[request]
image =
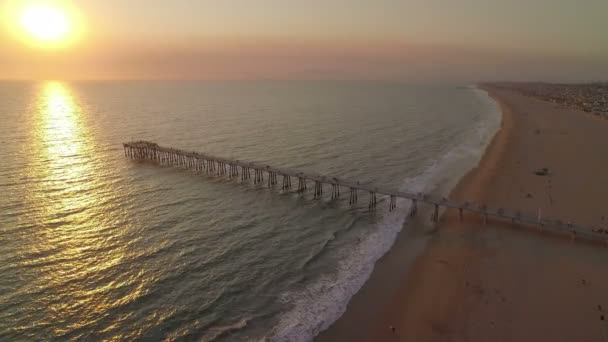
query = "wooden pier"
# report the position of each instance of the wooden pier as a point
(200, 162)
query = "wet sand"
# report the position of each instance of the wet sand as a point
(500, 282)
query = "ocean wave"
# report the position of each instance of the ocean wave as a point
(317, 306)
(217, 332)
(320, 251)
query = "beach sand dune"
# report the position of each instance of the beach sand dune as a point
(500, 282)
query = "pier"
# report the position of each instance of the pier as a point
(268, 175)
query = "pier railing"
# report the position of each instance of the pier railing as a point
(247, 170)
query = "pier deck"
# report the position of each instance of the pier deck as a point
(145, 150)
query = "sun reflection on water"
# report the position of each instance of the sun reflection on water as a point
(78, 230)
(61, 117)
(63, 145)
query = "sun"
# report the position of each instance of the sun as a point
(46, 23)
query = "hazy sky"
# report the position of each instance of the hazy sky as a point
(415, 40)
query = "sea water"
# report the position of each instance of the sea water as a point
(96, 246)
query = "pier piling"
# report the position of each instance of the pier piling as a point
(200, 162)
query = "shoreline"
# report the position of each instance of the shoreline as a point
(480, 175)
(480, 282)
(472, 186)
(476, 282)
(374, 297)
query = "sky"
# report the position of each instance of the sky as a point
(407, 40)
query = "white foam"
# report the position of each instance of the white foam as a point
(322, 303)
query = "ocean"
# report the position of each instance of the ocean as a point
(96, 246)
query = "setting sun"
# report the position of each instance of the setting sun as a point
(46, 23)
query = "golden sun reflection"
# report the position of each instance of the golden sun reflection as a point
(60, 165)
(61, 118)
(64, 144)
(74, 208)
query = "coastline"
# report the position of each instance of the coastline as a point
(496, 282)
(370, 310)
(492, 282)
(430, 308)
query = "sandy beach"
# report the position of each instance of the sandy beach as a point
(499, 282)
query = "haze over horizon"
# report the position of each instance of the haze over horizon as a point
(416, 40)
